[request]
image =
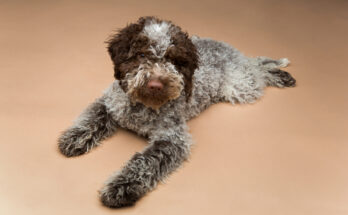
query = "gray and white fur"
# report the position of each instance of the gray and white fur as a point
(223, 74)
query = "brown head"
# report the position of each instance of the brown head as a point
(154, 61)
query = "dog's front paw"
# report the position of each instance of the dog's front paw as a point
(74, 142)
(119, 193)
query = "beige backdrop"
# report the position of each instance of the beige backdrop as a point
(284, 155)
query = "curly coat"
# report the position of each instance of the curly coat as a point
(195, 72)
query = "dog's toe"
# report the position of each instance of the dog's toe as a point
(69, 150)
(72, 143)
(282, 79)
(117, 196)
(287, 79)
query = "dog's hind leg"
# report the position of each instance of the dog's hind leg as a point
(271, 63)
(280, 78)
(241, 83)
(274, 76)
(245, 78)
(92, 126)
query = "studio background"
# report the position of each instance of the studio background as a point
(285, 154)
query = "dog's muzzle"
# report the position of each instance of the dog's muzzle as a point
(155, 84)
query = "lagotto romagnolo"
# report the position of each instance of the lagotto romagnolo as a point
(163, 79)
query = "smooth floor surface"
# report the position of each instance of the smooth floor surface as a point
(286, 154)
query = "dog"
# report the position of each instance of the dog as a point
(163, 78)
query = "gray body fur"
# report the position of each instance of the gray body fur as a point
(224, 75)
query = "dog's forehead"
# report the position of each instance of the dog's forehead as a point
(159, 34)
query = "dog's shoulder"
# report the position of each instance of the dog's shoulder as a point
(116, 100)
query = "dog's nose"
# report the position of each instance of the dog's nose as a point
(155, 85)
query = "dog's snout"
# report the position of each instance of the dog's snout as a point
(155, 85)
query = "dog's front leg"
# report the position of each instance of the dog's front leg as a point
(92, 126)
(168, 149)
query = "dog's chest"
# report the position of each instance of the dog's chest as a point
(133, 117)
(138, 119)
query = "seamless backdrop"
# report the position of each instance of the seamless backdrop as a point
(286, 154)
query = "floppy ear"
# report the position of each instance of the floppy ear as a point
(120, 43)
(187, 59)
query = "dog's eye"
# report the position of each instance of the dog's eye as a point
(181, 62)
(142, 55)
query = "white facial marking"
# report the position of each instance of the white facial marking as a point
(160, 34)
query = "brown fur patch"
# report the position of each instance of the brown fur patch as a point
(184, 56)
(129, 51)
(120, 44)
